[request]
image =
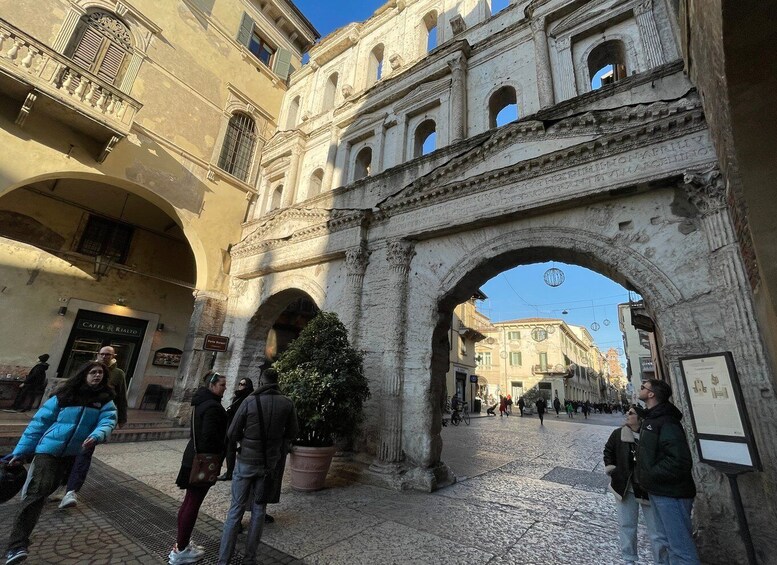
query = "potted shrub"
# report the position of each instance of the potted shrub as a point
(324, 376)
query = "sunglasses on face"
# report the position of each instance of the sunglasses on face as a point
(643, 387)
(241, 384)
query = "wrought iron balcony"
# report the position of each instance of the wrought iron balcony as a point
(46, 81)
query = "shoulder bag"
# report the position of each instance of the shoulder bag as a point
(264, 494)
(205, 466)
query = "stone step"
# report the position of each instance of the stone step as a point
(9, 437)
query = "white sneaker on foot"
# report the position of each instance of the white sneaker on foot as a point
(70, 499)
(191, 554)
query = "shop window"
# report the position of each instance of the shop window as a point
(502, 107)
(106, 238)
(101, 44)
(425, 139)
(238, 149)
(607, 63)
(363, 164)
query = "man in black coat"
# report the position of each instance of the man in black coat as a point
(33, 385)
(663, 469)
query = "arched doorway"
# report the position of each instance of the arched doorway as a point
(91, 263)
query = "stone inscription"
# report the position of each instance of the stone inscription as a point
(633, 166)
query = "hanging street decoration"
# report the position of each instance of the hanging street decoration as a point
(554, 277)
(539, 334)
(595, 326)
(550, 329)
(565, 312)
(606, 322)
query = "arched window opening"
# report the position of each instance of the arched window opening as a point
(363, 164)
(293, 113)
(330, 92)
(375, 68)
(425, 138)
(238, 149)
(498, 5)
(502, 107)
(607, 64)
(430, 24)
(277, 196)
(101, 44)
(314, 186)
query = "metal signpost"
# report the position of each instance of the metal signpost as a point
(216, 344)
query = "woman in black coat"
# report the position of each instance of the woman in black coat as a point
(244, 387)
(620, 455)
(209, 426)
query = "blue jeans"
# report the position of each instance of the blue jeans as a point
(628, 515)
(247, 480)
(672, 518)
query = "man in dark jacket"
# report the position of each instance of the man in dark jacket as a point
(255, 459)
(664, 470)
(33, 385)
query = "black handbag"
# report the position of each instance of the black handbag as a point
(264, 494)
(205, 466)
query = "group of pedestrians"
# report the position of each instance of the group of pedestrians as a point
(649, 464)
(253, 434)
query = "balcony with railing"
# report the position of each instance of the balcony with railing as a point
(46, 81)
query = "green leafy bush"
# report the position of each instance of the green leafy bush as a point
(324, 376)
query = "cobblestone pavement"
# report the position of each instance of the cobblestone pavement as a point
(525, 494)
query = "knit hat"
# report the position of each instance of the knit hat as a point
(43, 358)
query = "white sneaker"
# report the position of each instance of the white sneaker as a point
(70, 499)
(191, 554)
(58, 494)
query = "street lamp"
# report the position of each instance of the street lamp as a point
(102, 264)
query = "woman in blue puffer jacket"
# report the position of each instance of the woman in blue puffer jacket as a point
(80, 415)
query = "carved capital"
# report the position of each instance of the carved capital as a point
(643, 6)
(458, 65)
(706, 189)
(537, 25)
(399, 253)
(356, 260)
(564, 42)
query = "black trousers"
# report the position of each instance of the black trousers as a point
(47, 472)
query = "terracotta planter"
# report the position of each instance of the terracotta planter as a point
(309, 466)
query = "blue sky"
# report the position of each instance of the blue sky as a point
(520, 292)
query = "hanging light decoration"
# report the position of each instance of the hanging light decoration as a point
(539, 334)
(606, 322)
(550, 329)
(565, 311)
(595, 326)
(554, 277)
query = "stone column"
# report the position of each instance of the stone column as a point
(379, 149)
(356, 260)
(210, 309)
(648, 32)
(567, 86)
(331, 157)
(542, 60)
(399, 254)
(458, 122)
(290, 183)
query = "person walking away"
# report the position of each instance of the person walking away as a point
(556, 405)
(209, 426)
(620, 453)
(541, 405)
(586, 408)
(33, 385)
(117, 380)
(664, 470)
(80, 415)
(509, 405)
(244, 387)
(521, 404)
(570, 409)
(264, 422)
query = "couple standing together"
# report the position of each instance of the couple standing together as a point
(649, 464)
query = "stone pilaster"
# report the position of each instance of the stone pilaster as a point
(566, 69)
(542, 60)
(458, 120)
(210, 309)
(399, 254)
(69, 24)
(356, 261)
(648, 32)
(331, 157)
(290, 183)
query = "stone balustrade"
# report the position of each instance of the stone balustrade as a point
(56, 76)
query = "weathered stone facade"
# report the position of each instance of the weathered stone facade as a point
(621, 180)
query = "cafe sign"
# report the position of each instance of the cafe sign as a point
(109, 328)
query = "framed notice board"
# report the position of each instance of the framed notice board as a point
(723, 434)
